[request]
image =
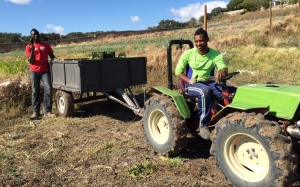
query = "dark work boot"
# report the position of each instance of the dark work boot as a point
(204, 132)
(35, 116)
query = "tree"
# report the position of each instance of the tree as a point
(49, 36)
(167, 24)
(150, 28)
(193, 21)
(265, 4)
(254, 5)
(217, 11)
(250, 6)
(201, 19)
(291, 2)
(26, 38)
(74, 35)
(10, 37)
(234, 5)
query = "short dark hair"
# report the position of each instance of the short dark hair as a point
(201, 31)
(34, 31)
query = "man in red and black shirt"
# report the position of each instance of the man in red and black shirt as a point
(37, 53)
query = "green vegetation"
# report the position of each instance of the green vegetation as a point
(142, 169)
(17, 66)
(148, 167)
(171, 162)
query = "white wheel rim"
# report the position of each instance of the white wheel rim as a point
(246, 157)
(158, 126)
(61, 104)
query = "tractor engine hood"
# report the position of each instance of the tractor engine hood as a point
(282, 100)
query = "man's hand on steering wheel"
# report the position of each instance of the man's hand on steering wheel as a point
(221, 75)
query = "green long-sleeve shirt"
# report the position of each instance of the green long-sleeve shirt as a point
(201, 65)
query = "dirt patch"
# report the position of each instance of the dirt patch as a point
(97, 147)
(102, 145)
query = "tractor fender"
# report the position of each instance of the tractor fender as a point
(240, 107)
(178, 99)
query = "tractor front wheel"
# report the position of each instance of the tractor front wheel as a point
(164, 127)
(252, 151)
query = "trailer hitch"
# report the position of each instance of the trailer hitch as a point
(130, 103)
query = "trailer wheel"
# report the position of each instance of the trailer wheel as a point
(64, 103)
(252, 151)
(164, 127)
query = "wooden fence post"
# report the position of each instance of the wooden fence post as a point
(270, 16)
(205, 18)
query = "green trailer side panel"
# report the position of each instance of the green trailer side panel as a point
(283, 100)
(178, 99)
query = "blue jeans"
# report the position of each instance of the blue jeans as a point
(45, 78)
(203, 91)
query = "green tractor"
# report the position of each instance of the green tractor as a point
(255, 135)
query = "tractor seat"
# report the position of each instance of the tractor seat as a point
(182, 86)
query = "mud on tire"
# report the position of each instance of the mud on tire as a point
(252, 151)
(164, 127)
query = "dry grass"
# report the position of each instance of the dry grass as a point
(15, 95)
(103, 142)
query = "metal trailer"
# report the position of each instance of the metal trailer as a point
(109, 76)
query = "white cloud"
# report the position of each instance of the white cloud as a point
(196, 10)
(57, 29)
(135, 19)
(19, 1)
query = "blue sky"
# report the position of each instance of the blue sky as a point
(65, 16)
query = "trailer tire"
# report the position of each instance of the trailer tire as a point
(252, 151)
(64, 103)
(164, 127)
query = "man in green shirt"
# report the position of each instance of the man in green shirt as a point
(196, 65)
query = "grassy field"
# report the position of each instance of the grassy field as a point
(103, 143)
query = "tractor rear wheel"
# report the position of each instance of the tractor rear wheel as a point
(252, 151)
(64, 103)
(164, 127)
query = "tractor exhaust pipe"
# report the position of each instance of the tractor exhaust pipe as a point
(294, 131)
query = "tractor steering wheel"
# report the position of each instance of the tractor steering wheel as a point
(229, 76)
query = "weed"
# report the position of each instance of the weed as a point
(102, 153)
(13, 136)
(13, 172)
(171, 162)
(3, 155)
(142, 169)
(16, 94)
